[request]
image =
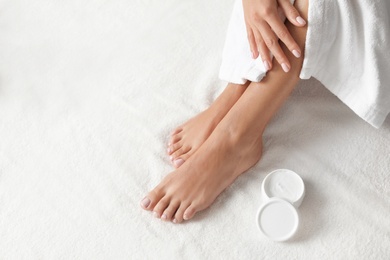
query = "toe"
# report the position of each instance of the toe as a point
(151, 199)
(186, 155)
(177, 131)
(160, 207)
(189, 213)
(145, 202)
(174, 139)
(179, 152)
(178, 162)
(174, 147)
(179, 213)
(170, 211)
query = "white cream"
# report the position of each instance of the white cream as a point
(284, 184)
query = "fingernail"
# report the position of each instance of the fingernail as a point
(300, 20)
(178, 162)
(285, 67)
(296, 53)
(164, 217)
(266, 65)
(145, 202)
(156, 215)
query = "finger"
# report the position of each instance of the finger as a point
(252, 42)
(265, 55)
(284, 35)
(291, 13)
(273, 45)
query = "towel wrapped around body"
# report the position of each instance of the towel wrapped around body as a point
(347, 49)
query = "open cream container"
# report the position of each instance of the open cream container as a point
(282, 192)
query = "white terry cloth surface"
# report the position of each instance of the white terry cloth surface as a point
(89, 92)
(346, 49)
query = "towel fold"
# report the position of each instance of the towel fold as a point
(346, 49)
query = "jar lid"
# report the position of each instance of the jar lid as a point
(278, 219)
(285, 184)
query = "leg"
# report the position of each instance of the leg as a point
(187, 138)
(232, 148)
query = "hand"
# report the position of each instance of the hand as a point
(265, 27)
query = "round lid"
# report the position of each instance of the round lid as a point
(278, 219)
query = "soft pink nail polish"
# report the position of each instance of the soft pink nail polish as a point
(300, 20)
(178, 162)
(296, 53)
(145, 202)
(285, 67)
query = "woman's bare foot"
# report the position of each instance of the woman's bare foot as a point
(214, 166)
(187, 138)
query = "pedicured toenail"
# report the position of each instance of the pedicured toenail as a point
(145, 202)
(178, 162)
(169, 150)
(174, 221)
(156, 215)
(164, 217)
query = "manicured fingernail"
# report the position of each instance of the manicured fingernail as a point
(266, 65)
(178, 162)
(145, 202)
(300, 20)
(296, 53)
(285, 67)
(164, 217)
(156, 215)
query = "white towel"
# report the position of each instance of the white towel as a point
(346, 49)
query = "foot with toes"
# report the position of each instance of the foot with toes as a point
(187, 138)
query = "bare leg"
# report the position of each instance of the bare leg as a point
(234, 146)
(187, 138)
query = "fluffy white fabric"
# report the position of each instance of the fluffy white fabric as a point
(89, 91)
(346, 49)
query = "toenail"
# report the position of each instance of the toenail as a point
(178, 162)
(185, 217)
(169, 150)
(174, 220)
(156, 215)
(164, 217)
(145, 202)
(171, 157)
